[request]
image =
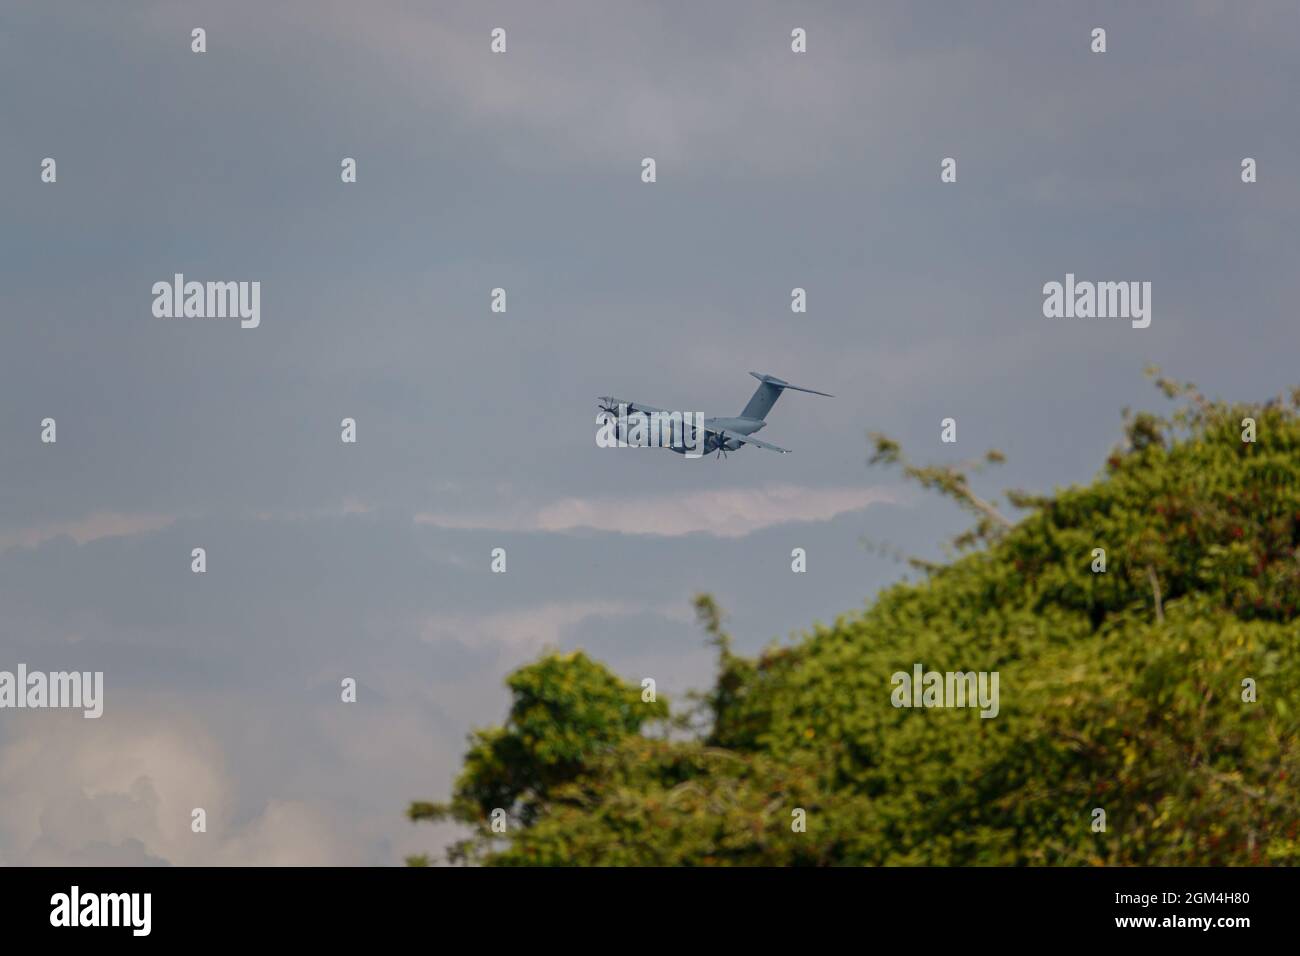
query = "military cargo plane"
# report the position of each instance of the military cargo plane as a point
(721, 435)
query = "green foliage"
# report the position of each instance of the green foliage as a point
(951, 481)
(1120, 690)
(568, 711)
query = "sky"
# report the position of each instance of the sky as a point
(475, 430)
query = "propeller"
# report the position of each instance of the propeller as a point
(722, 445)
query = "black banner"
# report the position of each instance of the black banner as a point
(369, 905)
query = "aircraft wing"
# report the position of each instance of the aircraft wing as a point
(631, 406)
(750, 441)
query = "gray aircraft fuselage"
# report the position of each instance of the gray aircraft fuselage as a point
(718, 431)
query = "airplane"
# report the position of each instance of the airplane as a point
(724, 434)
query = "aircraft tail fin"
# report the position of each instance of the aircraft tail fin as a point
(768, 392)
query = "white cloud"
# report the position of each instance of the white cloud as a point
(121, 791)
(530, 628)
(102, 524)
(724, 513)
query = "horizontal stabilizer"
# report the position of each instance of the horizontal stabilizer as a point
(780, 383)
